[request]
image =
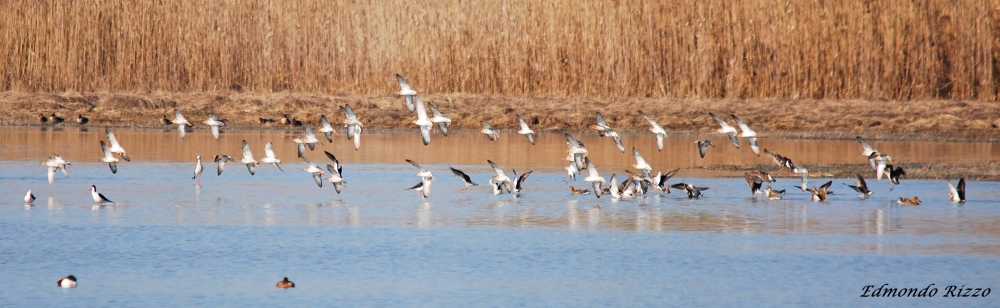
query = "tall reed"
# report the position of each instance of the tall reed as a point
(891, 49)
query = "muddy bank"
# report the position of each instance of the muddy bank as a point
(819, 173)
(910, 120)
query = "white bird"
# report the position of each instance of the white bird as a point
(406, 91)
(353, 125)
(181, 122)
(525, 130)
(957, 194)
(594, 178)
(439, 118)
(98, 197)
(54, 163)
(115, 146)
(424, 187)
(604, 130)
(336, 173)
(29, 198)
(519, 179)
(316, 172)
(501, 177)
(269, 157)
(221, 160)
(490, 132)
(640, 163)
(197, 171)
(423, 172)
(656, 129)
(247, 159)
(613, 187)
(327, 129)
(309, 139)
(67, 282)
(879, 162)
(576, 152)
(422, 121)
(497, 187)
(867, 149)
(726, 129)
(215, 123)
(109, 158)
(747, 133)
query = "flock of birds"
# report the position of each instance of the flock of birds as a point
(637, 184)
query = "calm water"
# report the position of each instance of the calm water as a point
(169, 243)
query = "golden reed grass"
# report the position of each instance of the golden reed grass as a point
(891, 49)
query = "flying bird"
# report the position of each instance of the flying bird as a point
(819, 193)
(604, 130)
(424, 187)
(439, 118)
(658, 130)
(214, 123)
(703, 146)
(861, 188)
(98, 197)
(465, 178)
(500, 176)
(406, 91)
(956, 194)
(316, 172)
(594, 177)
(693, 192)
(423, 121)
(641, 163)
(727, 129)
(335, 178)
(327, 129)
(109, 158)
(867, 149)
(895, 173)
(747, 133)
(519, 179)
(181, 122)
(755, 178)
(221, 160)
(879, 162)
(115, 147)
(247, 159)
(527, 132)
(490, 132)
(270, 158)
(353, 125)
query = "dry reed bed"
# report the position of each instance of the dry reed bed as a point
(924, 119)
(893, 49)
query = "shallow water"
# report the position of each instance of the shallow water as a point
(169, 242)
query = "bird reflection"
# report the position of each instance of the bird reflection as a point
(573, 214)
(354, 216)
(424, 215)
(594, 217)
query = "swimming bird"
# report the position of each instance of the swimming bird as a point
(490, 132)
(247, 159)
(497, 187)
(82, 120)
(335, 178)
(861, 187)
(353, 125)
(819, 194)
(748, 133)
(727, 129)
(774, 194)
(109, 158)
(215, 123)
(956, 194)
(693, 192)
(578, 191)
(703, 146)
(115, 147)
(269, 157)
(604, 130)
(465, 178)
(895, 173)
(424, 173)
(197, 171)
(54, 119)
(424, 187)
(656, 129)
(755, 178)
(182, 123)
(500, 176)
(42, 118)
(98, 197)
(422, 120)
(29, 197)
(316, 172)
(527, 132)
(285, 284)
(911, 201)
(594, 177)
(439, 118)
(867, 149)
(221, 160)
(67, 282)
(165, 121)
(406, 91)
(327, 129)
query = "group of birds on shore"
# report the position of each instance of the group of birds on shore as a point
(636, 184)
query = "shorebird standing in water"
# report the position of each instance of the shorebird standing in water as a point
(406, 91)
(98, 197)
(656, 129)
(29, 197)
(197, 172)
(727, 129)
(527, 132)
